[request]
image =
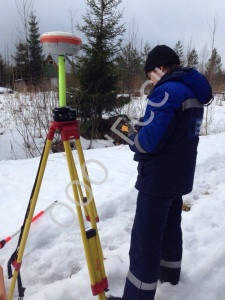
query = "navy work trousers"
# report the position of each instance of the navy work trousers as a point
(156, 246)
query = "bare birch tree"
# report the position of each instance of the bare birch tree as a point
(212, 34)
(24, 10)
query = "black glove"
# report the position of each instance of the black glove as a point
(131, 130)
(137, 127)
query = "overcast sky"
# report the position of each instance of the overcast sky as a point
(158, 21)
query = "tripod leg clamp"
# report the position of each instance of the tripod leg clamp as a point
(100, 287)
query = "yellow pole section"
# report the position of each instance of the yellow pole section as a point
(62, 81)
(30, 215)
(102, 296)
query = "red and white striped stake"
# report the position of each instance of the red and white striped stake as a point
(37, 216)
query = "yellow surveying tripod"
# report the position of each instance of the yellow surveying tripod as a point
(65, 123)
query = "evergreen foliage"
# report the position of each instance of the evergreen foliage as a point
(97, 71)
(34, 51)
(192, 58)
(28, 56)
(22, 61)
(213, 70)
(2, 71)
(131, 63)
(144, 53)
(179, 50)
(6, 72)
(129, 67)
(214, 65)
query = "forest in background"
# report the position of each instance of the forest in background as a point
(107, 71)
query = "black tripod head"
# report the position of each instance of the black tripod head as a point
(62, 114)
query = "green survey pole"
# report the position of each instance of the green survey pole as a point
(62, 81)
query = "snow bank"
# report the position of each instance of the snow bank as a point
(54, 265)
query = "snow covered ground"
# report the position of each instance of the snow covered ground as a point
(54, 266)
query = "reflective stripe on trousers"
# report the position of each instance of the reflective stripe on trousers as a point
(140, 284)
(170, 264)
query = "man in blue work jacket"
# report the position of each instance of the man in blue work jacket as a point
(165, 147)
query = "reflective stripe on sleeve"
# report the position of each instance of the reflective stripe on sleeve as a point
(141, 285)
(137, 145)
(190, 103)
(170, 264)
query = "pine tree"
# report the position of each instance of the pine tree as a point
(144, 53)
(97, 70)
(192, 58)
(214, 65)
(22, 61)
(214, 68)
(179, 50)
(130, 66)
(35, 51)
(2, 71)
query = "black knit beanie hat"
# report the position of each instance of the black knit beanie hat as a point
(160, 55)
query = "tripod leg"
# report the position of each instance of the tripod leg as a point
(90, 237)
(91, 206)
(33, 201)
(85, 175)
(82, 198)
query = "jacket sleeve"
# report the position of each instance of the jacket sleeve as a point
(159, 122)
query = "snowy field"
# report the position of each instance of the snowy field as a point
(54, 267)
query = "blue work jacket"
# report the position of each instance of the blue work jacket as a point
(166, 144)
